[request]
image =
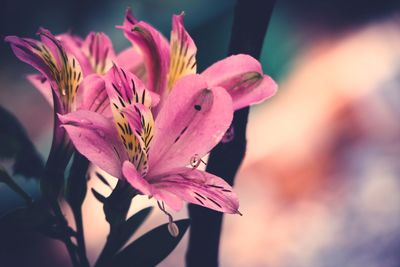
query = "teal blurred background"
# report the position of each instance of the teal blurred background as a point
(320, 183)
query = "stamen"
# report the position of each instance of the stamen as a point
(195, 161)
(172, 227)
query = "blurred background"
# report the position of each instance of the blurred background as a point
(320, 184)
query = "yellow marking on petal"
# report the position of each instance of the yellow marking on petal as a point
(145, 135)
(147, 130)
(136, 141)
(71, 77)
(136, 136)
(125, 132)
(183, 57)
(67, 76)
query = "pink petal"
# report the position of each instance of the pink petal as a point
(183, 52)
(92, 95)
(141, 184)
(197, 187)
(140, 118)
(77, 40)
(99, 50)
(73, 45)
(130, 19)
(124, 88)
(95, 137)
(192, 121)
(95, 54)
(135, 114)
(49, 57)
(67, 74)
(53, 45)
(135, 179)
(154, 48)
(29, 51)
(171, 200)
(141, 124)
(130, 59)
(242, 76)
(42, 84)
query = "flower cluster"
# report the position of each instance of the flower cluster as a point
(145, 115)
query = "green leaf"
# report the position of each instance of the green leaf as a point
(77, 182)
(120, 235)
(103, 179)
(56, 232)
(127, 229)
(29, 218)
(116, 208)
(15, 144)
(151, 248)
(117, 204)
(5, 178)
(98, 196)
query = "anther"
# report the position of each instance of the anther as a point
(172, 227)
(195, 161)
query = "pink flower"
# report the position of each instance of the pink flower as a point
(89, 59)
(165, 63)
(153, 156)
(96, 53)
(61, 74)
(62, 83)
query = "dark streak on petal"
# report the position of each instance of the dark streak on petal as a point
(215, 202)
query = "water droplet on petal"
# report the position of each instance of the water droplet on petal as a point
(173, 229)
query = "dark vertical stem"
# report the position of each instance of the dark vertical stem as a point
(81, 238)
(250, 22)
(116, 208)
(50, 191)
(71, 248)
(75, 195)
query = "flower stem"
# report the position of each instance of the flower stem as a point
(116, 208)
(71, 248)
(250, 22)
(109, 250)
(51, 184)
(80, 238)
(75, 195)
